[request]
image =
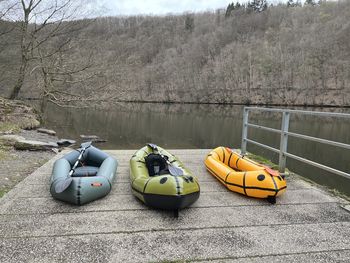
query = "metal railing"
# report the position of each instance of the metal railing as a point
(284, 132)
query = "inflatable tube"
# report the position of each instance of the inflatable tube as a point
(155, 186)
(91, 180)
(244, 176)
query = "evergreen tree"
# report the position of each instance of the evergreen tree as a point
(290, 3)
(293, 3)
(189, 22)
(257, 5)
(249, 7)
(229, 9)
(263, 7)
(310, 2)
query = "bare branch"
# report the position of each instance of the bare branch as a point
(56, 9)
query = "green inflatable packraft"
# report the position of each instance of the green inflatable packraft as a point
(160, 180)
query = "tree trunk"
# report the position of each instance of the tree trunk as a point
(43, 103)
(24, 56)
(20, 80)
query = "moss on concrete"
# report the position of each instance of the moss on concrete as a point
(332, 191)
(173, 261)
(262, 160)
(3, 192)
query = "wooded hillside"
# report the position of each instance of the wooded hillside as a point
(294, 55)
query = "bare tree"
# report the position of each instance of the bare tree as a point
(40, 22)
(6, 6)
(280, 56)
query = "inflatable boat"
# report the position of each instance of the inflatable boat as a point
(83, 175)
(244, 176)
(160, 180)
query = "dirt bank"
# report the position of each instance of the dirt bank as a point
(19, 119)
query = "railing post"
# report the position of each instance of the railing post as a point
(283, 142)
(244, 131)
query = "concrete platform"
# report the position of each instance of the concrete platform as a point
(306, 225)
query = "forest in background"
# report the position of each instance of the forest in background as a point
(287, 54)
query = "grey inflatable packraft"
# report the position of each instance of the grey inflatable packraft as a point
(82, 181)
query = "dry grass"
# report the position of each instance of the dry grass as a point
(8, 127)
(14, 115)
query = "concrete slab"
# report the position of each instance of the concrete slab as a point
(346, 207)
(63, 224)
(336, 256)
(179, 244)
(122, 187)
(306, 225)
(127, 201)
(43, 176)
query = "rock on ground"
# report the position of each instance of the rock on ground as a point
(93, 138)
(34, 145)
(65, 142)
(10, 139)
(46, 131)
(36, 136)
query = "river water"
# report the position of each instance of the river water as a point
(187, 126)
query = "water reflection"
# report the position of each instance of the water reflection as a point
(131, 125)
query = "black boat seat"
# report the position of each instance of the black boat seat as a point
(156, 165)
(85, 171)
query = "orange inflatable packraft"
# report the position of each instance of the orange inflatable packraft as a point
(244, 176)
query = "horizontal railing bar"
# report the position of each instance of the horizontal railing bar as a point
(302, 136)
(263, 128)
(263, 145)
(306, 137)
(317, 113)
(321, 166)
(324, 167)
